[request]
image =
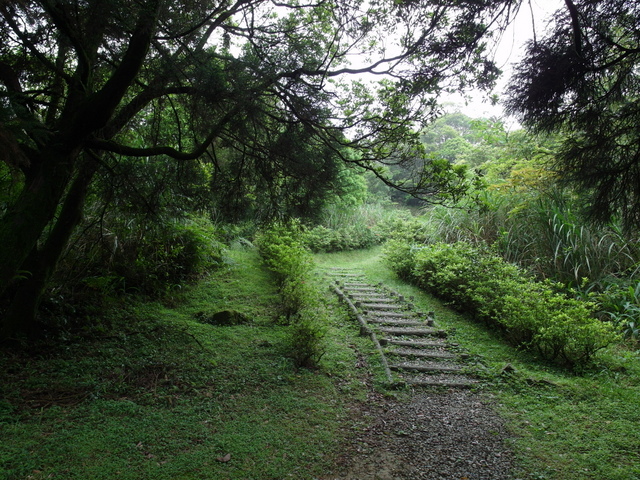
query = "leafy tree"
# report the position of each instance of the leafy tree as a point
(583, 80)
(87, 83)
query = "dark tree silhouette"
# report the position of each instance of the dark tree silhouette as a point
(583, 80)
(84, 82)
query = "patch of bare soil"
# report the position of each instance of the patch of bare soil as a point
(435, 435)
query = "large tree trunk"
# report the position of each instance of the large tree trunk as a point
(22, 226)
(40, 263)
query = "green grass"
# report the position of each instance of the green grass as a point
(161, 396)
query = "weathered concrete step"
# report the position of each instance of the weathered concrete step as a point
(423, 353)
(426, 367)
(369, 297)
(379, 306)
(447, 380)
(389, 314)
(357, 285)
(436, 343)
(414, 331)
(349, 290)
(395, 322)
(392, 317)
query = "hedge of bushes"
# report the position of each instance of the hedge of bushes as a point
(354, 237)
(531, 314)
(282, 249)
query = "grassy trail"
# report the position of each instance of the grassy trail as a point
(152, 391)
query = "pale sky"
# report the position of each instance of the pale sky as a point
(510, 51)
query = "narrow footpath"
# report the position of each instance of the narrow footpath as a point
(446, 430)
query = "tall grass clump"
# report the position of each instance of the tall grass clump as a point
(531, 314)
(282, 249)
(543, 232)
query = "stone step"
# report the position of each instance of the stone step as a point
(369, 297)
(395, 322)
(436, 343)
(389, 314)
(349, 290)
(448, 380)
(413, 331)
(357, 285)
(426, 367)
(378, 306)
(423, 353)
(392, 317)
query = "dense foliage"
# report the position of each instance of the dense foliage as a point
(531, 314)
(250, 99)
(583, 79)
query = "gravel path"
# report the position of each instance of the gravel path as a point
(436, 435)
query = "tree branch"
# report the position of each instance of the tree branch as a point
(101, 105)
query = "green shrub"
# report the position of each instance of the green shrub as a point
(284, 254)
(531, 314)
(400, 256)
(161, 257)
(305, 344)
(620, 304)
(403, 226)
(352, 237)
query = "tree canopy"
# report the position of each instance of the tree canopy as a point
(252, 86)
(582, 80)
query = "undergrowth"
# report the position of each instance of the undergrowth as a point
(164, 395)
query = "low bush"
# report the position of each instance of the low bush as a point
(306, 341)
(165, 256)
(531, 314)
(619, 303)
(283, 252)
(115, 257)
(354, 237)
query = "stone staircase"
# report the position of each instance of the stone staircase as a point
(413, 349)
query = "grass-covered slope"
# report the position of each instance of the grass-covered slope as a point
(162, 395)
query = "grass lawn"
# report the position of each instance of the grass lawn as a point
(161, 395)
